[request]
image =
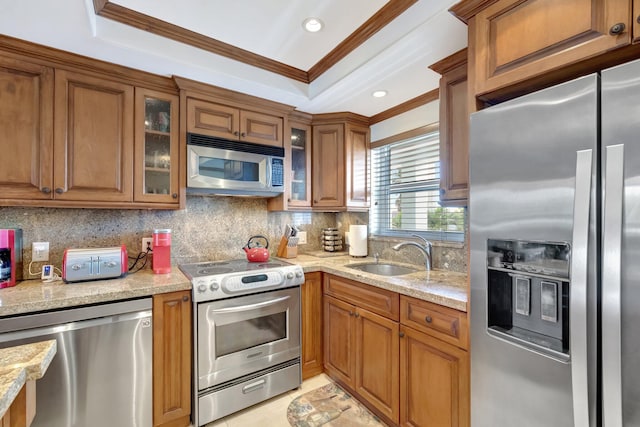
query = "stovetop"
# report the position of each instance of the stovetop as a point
(227, 279)
(212, 268)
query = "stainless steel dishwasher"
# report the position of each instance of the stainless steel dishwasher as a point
(101, 374)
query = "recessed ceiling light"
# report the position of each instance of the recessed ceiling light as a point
(379, 93)
(313, 25)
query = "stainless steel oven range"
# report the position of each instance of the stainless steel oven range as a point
(246, 334)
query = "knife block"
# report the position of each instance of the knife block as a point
(286, 251)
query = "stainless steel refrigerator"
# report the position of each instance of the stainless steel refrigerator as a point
(555, 256)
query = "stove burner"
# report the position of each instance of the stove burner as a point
(269, 265)
(214, 270)
(212, 264)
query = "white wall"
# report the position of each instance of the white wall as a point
(421, 116)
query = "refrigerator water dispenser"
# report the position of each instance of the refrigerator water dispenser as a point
(528, 295)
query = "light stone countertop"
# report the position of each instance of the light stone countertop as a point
(20, 364)
(34, 295)
(442, 287)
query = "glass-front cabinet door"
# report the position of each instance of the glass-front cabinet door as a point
(157, 154)
(300, 190)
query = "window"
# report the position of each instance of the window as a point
(406, 191)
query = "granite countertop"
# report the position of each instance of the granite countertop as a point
(20, 364)
(34, 295)
(442, 287)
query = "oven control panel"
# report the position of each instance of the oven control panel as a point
(233, 284)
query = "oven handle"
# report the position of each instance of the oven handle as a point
(248, 307)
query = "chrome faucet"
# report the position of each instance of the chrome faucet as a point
(424, 247)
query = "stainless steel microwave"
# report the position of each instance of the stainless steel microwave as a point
(220, 166)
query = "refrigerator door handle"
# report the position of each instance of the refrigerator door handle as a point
(578, 294)
(611, 284)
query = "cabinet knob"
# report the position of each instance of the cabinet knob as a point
(638, 19)
(59, 190)
(174, 195)
(617, 29)
(357, 314)
(288, 199)
(236, 133)
(401, 334)
(46, 190)
(243, 134)
(351, 313)
(315, 201)
(428, 319)
(185, 298)
(442, 191)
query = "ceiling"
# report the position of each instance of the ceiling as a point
(259, 46)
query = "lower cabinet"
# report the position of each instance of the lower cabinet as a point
(312, 325)
(404, 358)
(172, 359)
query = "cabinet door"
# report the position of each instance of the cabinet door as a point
(300, 188)
(357, 166)
(312, 325)
(172, 358)
(156, 147)
(328, 166)
(339, 340)
(454, 137)
(434, 382)
(207, 118)
(93, 139)
(377, 368)
(516, 40)
(26, 133)
(259, 128)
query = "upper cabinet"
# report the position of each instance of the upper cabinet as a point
(156, 147)
(76, 132)
(300, 171)
(519, 45)
(340, 171)
(26, 134)
(454, 129)
(93, 139)
(208, 118)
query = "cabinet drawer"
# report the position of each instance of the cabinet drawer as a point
(379, 301)
(441, 322)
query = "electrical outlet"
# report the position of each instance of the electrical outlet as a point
(40, 251)
(147, 242)
(302, 237)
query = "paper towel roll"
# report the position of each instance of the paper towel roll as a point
(358, 240)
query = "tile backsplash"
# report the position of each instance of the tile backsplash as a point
(209, 228)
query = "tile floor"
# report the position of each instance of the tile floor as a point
(273, 412)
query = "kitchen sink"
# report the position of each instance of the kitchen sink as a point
(383, 269)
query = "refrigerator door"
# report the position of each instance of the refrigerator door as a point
(523, 160)
(621, 246)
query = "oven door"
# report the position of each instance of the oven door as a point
(238, 336)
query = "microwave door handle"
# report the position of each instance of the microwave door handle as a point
(611, 284)
(248, 307)
(579, 290)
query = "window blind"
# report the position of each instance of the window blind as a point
(406, 186)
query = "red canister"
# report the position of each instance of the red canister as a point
(161, 247)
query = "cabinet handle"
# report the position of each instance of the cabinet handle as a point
(174, 195)
(46, 190)
(357, 314)
(401, 334)
(185, 298)
(428, 319)
(617, 29)
(59, 190)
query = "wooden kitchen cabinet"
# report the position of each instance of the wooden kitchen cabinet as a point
(300, 176)
(361, 344)
(340, 175)
(93, 139)
(157, 154)
(434, 365)
(26, 134)
(172, 349)
(520, 45)
(312, 315)
(454, 129)
(229, 122)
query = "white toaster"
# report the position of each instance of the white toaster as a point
(79, 265)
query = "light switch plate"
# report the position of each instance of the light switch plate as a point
(302, 237)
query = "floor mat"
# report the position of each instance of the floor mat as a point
(330, 406)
